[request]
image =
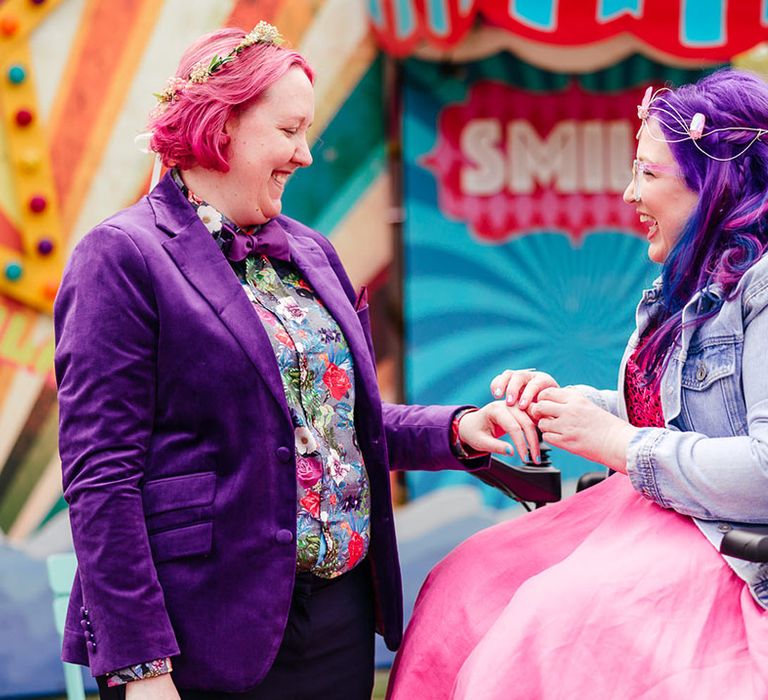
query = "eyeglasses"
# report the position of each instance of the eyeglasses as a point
(640, 167)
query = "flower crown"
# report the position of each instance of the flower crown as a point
(262, 33)
(693, 130)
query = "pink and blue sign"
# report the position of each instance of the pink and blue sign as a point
(510, 162)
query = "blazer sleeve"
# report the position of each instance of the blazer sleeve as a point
(419, 437)
(106, 328)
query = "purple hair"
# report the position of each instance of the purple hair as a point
(728, 229)
(189, 130)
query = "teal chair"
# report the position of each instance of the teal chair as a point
(61, 574)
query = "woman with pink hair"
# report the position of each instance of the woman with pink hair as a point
(225, 451)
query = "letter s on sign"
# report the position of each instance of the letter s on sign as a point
(480, 145)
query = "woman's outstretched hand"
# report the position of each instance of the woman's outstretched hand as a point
(569, 420)
(482, 429)
(520, 386)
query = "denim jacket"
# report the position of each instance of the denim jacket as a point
(710, 461)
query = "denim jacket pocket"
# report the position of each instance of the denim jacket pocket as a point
(711, 377)
(708, 364)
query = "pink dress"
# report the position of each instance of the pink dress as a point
(604, 595)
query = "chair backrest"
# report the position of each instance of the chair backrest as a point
(61, 575)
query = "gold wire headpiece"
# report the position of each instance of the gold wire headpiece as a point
(693, 130)
(262, 33)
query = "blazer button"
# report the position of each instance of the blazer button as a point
(284, 536)
(283, 454)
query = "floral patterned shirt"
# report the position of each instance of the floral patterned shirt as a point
(333, 503)
(333, 499)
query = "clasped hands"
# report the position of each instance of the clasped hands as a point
(529, 399)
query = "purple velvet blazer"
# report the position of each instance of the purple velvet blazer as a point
(178, 451)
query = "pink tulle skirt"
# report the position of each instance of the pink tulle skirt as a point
(604, 595)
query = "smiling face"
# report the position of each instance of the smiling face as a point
(665, 202)
(268, 142)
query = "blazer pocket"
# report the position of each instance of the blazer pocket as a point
(176, 492)
(182, 542)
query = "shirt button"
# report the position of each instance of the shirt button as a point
(283, 454)
(85, 625)
(724, 527)
(701, 373)
(284, 536)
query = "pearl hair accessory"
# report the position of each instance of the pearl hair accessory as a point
(695, 130)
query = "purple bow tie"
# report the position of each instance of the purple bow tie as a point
(267, 240)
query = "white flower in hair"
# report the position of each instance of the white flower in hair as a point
(210, 217)
(262, 33)
(200, 72)
(171, 91)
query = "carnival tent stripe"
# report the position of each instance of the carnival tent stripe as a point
(94, 110)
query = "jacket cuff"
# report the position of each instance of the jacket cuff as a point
(641, 462)
(459, 449)
(139, 672)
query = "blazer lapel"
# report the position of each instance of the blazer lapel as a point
(309, 257)
(199, 259)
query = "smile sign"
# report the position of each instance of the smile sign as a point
(510, 162)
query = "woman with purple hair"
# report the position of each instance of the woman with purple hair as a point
(620, 591)
(225, 450)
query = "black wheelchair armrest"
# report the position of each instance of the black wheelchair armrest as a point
(535, 484)
(590, 479)
(750, 544)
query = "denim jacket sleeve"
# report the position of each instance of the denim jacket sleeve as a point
(716, 478)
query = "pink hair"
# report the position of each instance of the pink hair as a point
(189, 130)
